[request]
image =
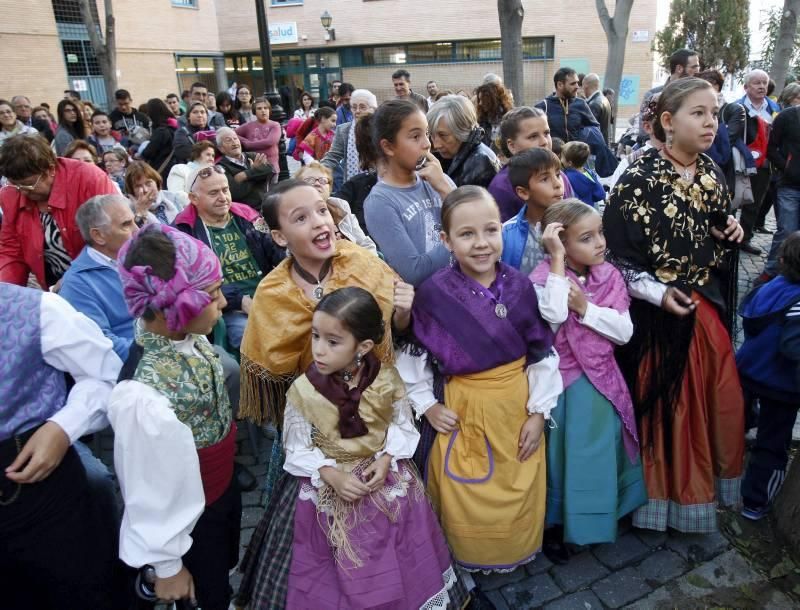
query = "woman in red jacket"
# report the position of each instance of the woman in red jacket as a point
(39, 234)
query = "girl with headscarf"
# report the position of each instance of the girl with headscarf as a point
(174, 434)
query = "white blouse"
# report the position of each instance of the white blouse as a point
(305, 460)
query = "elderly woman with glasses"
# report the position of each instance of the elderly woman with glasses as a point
(9, 124)
(457, 142)
(39, 234)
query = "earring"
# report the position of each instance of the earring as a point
(452, 259)
(359, 359)
(669, 139)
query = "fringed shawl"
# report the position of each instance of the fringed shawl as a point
(277, 343)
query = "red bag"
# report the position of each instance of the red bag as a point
(759, 144)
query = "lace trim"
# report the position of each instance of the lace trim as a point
(390, 492)
(441, 599)
(501, 570)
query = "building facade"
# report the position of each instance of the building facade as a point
(165, 45)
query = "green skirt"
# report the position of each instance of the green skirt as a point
(591, 482)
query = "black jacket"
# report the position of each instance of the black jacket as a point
(601, 109)
(252, 190)
(784, 146)
(474, 163)
(355, 192)
(159, 149)
(567, 124)
(265, 251)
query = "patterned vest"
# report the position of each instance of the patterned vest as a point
(30, 390)
(194, 386)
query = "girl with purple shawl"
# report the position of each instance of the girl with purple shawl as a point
(594, 475)
(477, 323)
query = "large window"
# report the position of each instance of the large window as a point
(443, 52)
(185, 3)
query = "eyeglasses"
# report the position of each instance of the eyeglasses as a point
(24, 188)
(314, 181)
(206, 172)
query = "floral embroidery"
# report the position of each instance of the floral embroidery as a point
(194, 386)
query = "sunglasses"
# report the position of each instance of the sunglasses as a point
(24, 188)
(206, 172)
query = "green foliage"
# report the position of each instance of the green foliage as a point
(716, 29)
(772, 26)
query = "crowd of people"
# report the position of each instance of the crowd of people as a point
(478, 333)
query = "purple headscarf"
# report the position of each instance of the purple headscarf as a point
(182, 297)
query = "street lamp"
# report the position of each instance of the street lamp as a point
(327, 20)
(276, 113)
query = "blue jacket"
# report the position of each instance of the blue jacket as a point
(515, 235)
(768, 359)
(772, 106)
(343, 115)
(95, 290)
(588, 190)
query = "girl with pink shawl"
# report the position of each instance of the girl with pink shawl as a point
(594, 475)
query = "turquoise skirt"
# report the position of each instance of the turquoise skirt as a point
(591, 482)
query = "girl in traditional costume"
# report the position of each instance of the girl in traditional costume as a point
(174, 438)
(477, 325)
(667, 226)
(594, 476)
(361, 531)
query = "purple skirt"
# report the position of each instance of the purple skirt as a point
(405, 563)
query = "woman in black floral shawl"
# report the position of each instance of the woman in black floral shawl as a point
(667, 227)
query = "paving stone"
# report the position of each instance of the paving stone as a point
(235, 580)
(621, 588)
(245, 460)
(626, 550)
(661, 567)
(497, 599)
(538, 565)
(251, 516)
(246, 535)
(580, 571)
(495, 580)
(651, 538)
(252, 498)
(582, 600)
(533, 592)
(696, 548)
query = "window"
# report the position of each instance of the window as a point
(285, 2)
(430, 53)
(80, 58)
(480, 50)
(384, 55)
(185, 3)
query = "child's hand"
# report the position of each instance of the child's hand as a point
(346, 486)
(676, 302)
(180, 586)
(433, 174)
(403, 300)
(530, 436)
(378, 469)
(577, 299)
(551, 240)
(442, 419)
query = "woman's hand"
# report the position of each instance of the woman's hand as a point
(180, 586)
(403, 300)
(733, 231)
(551, 240)
(530, 436)
(433, 174)
(443, 420)
(378, 469)
(577, 299)
(142, 200)
(676, 302)
(346, 486)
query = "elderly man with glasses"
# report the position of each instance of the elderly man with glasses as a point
(238, 236)
(39, 234)
(249, 174)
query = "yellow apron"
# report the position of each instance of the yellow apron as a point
(490, 504)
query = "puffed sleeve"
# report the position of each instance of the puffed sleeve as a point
(302, 458)
(616, 326)
(553, 298)
(402, 436)
(417, 374)
(159, 475)
(544, 385)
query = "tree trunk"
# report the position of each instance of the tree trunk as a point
(616, 29)
(511, 15)
(104, 50)
(784, 46)
(787, 506)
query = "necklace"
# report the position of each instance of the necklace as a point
(500, 310)
(323, 272)
(686, 174)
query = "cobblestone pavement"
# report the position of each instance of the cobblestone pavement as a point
(642, 570)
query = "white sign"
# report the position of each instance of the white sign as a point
(80, 85)
(72, 58)
(641, 35)
(283, 33)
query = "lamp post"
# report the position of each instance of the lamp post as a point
(326, 21)
(277, 112)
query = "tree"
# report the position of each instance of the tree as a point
(722, 42)
(105, 48)
(616, 29)
(784, 45)
(511, 15)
